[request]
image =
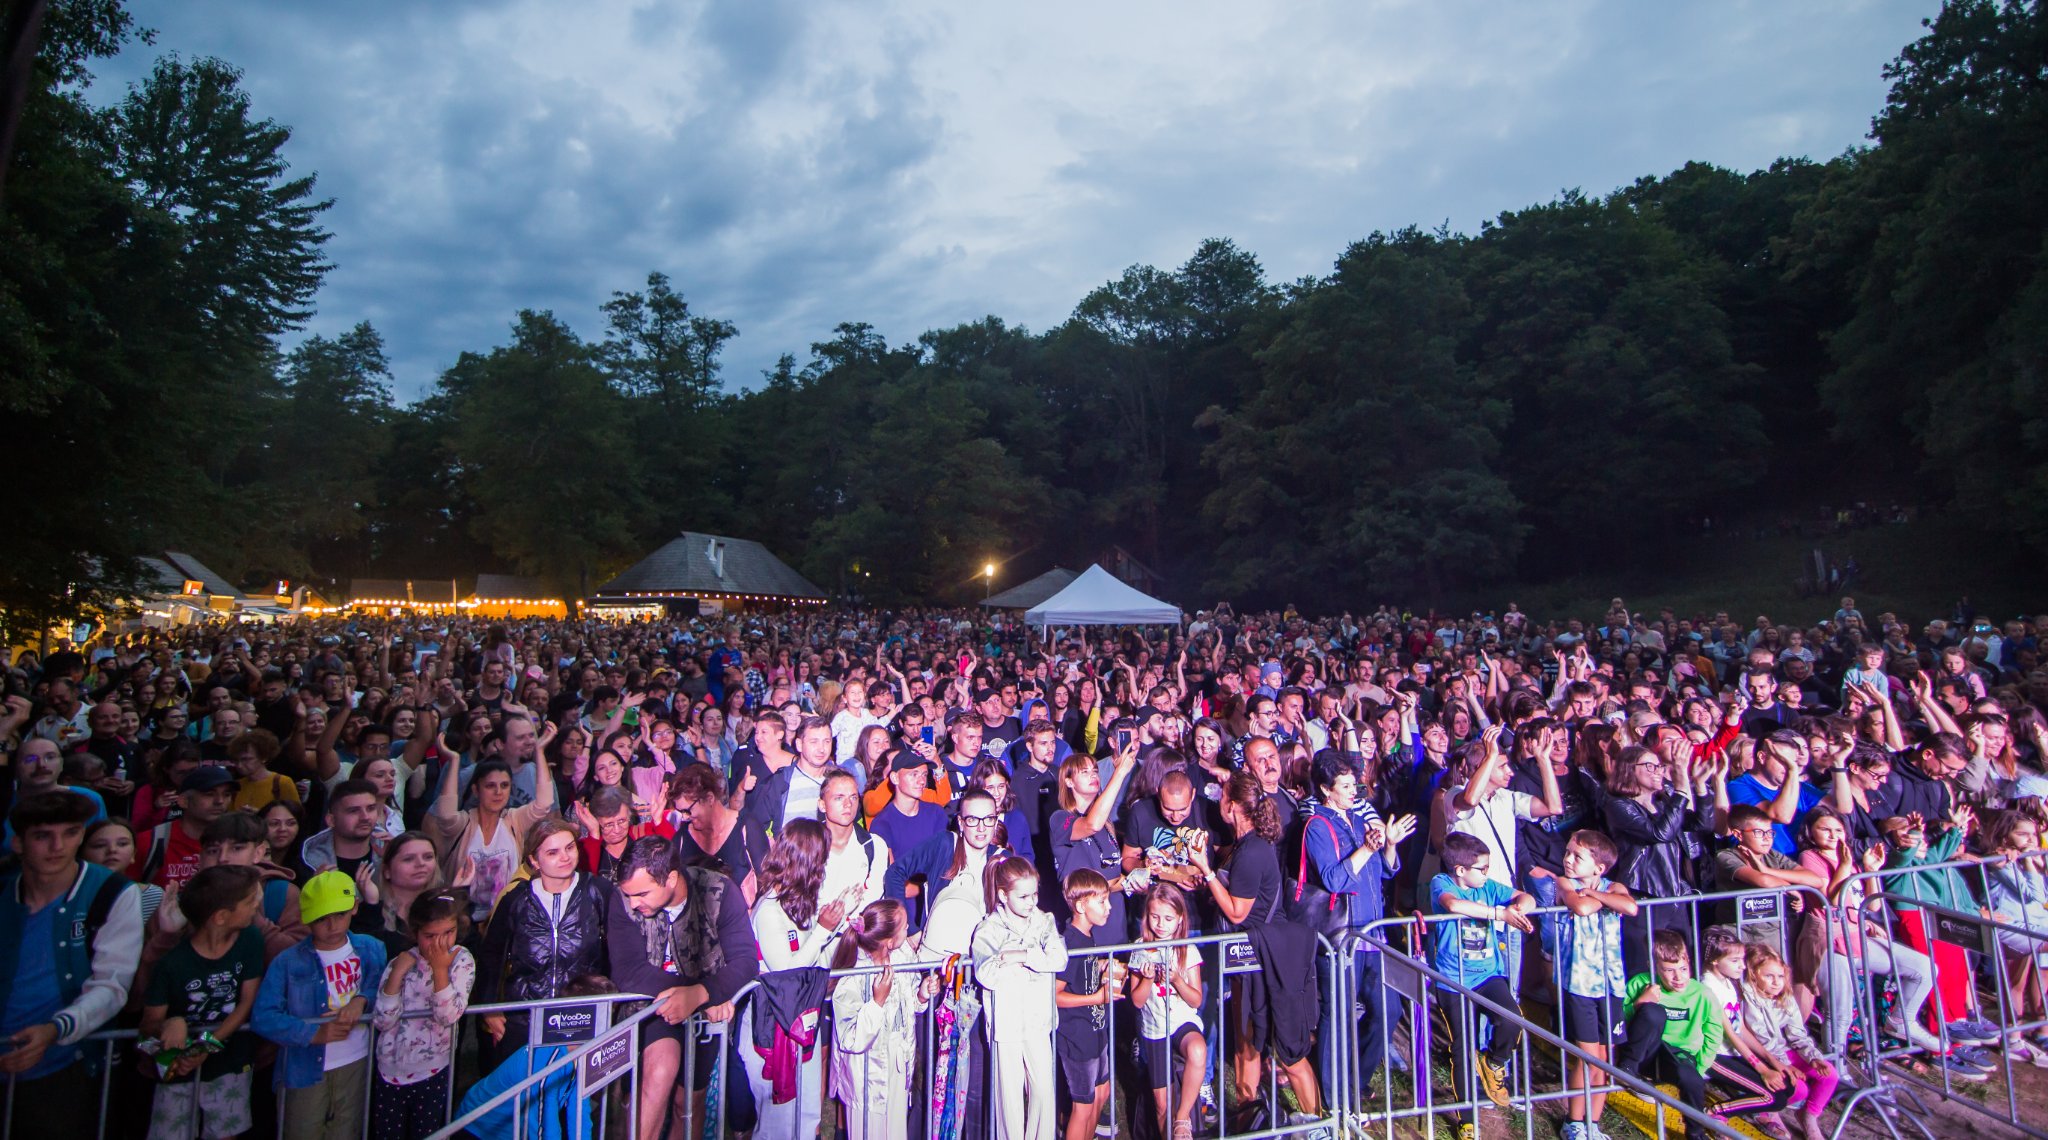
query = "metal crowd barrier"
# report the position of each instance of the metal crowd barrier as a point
(1891, 1087)
(1335, 1104)
(1754, 908)
(1523, 1094)
(109, 1041)
(1405, 980)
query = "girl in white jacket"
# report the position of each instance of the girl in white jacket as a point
(1017, 953)
(874, 1045)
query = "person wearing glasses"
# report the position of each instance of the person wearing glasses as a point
(1651, 813)
(950, 860)
(1756, 863)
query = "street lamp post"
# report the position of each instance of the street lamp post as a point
(988, 577)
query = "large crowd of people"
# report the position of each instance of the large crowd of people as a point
(291, 857)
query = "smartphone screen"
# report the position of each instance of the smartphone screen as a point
(925, 734)
(1123, 739)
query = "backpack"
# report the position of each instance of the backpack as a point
(159, 845)
(103, 902)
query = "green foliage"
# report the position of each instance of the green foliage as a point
(1359, 455)
(1568, 391)
(147, 256)
(666, 360)
(544, 449)
(1944, 229)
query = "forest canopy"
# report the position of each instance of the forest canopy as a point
(1581, 380)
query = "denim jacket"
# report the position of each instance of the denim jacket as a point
(293, 999)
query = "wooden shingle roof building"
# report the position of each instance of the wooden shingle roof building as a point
(712, 568)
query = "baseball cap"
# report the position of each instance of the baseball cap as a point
(205, 778)
(906, 760)
(984, 694)
(1271, 672)
(329, 892)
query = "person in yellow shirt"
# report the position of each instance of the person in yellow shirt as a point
(249, 757)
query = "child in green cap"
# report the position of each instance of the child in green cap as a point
(315, 1002)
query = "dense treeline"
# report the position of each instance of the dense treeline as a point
(1575, 384)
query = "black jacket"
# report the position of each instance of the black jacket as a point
(1655, 845)
(529, 955)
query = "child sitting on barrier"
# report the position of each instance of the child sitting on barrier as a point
(1773, 1018)
(1469, 951)
(1589, 943)
(1742, 1067)
(1673, 1014)
(1166, 987)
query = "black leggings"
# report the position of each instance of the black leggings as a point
(409, 1112)
(1729, 1071)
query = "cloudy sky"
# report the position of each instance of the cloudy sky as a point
(914, 164)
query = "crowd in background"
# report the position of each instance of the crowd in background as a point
(252, 843)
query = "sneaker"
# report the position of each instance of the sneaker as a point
(1959, 1069)
(1968, 1033)
(1772, 1125)
(1972, 1055)
(1493, 1078)
(1468, 1131)
(1986, 1029)
(1574, 1130)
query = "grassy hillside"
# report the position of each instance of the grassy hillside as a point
(1916, 570)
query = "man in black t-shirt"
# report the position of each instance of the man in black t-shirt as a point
(1160, 832)
(999, 726)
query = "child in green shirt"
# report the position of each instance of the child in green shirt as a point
(1673, 1013)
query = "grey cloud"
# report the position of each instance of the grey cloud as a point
(795, 165)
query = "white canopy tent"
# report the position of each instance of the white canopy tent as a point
(1098, 597)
